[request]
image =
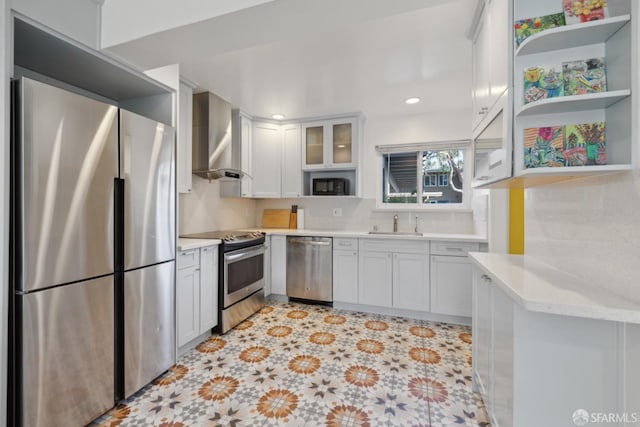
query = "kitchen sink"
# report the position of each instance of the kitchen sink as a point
(397, 233)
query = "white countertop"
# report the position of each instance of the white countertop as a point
(541, 288)
(186, 244)
(365, 234)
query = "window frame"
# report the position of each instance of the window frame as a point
(419, 148)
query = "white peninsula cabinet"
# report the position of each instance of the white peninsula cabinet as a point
(394, 273)
(546, 344)
(196, 293)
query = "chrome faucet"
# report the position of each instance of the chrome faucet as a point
(395, 223)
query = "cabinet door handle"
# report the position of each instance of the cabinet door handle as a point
(454, 249)
(484, 277)
(197, 269)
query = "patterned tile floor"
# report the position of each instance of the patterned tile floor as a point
(303, 365)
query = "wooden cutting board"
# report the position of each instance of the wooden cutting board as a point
(275, 218)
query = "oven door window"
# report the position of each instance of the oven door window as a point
(244, 272)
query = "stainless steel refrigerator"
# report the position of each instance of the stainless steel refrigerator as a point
(92, 259)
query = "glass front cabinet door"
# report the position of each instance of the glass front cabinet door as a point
(330, 144)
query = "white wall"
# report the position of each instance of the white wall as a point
(125, 20)
(4, 201)
(78, 19)
(438, 126)
(204, 210)
(589, 228)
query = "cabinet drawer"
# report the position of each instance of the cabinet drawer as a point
(188, 258)
(453, 248)
(394, 245)
(346, 244)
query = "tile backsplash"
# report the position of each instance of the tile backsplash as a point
(589, 228)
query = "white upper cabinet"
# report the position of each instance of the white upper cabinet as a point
(291, 158)
(241, 135)
(490, 61)
(185, 129)
(275, 163)
(330, 144)
(267, 159)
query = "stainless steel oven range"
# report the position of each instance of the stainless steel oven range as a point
(241, 274)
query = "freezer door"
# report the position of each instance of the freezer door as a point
(68, 354)
(149, 319)
(67, 161)
(147, 163)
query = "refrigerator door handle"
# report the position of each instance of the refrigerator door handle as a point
(118, 186)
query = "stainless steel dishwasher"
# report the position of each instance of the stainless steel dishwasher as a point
(310, 268)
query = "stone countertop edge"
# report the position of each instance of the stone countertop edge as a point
(448, 237)
(187, 244)
(538, 287)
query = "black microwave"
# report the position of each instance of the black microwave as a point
(330, 187)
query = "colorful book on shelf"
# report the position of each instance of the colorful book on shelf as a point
(543, 147)
(541, 83)
(530, 26)
(585, 76)
(577, 11)
(585, 144)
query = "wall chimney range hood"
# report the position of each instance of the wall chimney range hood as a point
(213, 156)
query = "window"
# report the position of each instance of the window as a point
(424, 177)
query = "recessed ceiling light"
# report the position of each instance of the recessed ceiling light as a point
(412, 100)
(341, 146)
(277, 116)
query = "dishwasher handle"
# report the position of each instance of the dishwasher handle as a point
(310, 242)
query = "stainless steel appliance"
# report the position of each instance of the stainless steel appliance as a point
(213, 153)
(87, 298)
(241, 274)
(147, 174)
(330, 186)
(310, 268)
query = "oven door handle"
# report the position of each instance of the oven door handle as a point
(244, 254)
(309, 242)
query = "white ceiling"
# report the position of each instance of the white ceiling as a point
(305, 58)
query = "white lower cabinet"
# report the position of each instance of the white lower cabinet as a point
(345, 270)
(394, 273)
(451, 278)
(267, 266)
(451, 285)
(279, 265)
(187, 296)
(375, 272)
(411, 281)
(208, 288)
(196, 293)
